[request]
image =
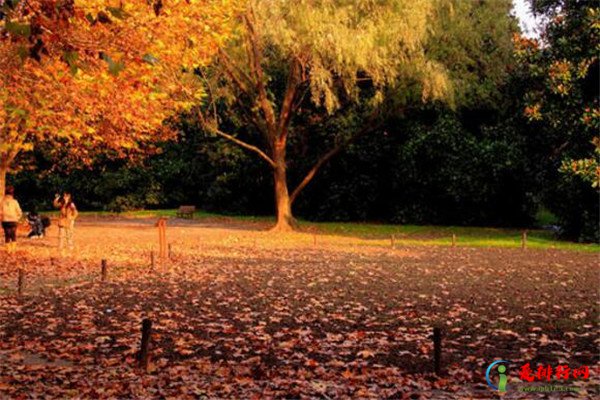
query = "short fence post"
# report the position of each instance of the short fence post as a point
(170, 251)
(524, 240)
(104, 270)
(54, 270)
(393, 241)
(162, 237)
(144, 354)
(21, 281)
(453, 240)
(152, 259)
(437, 350)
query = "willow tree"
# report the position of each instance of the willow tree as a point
(328, 50)
(341, 54)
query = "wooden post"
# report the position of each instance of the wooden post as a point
(144, 354)
(437, 350)
(104, 270)
(524, 240)
(453, 240)
(54, 270)
(152, 259)
(162, 237)
(393, 241)
(21, 281)
(170, 251)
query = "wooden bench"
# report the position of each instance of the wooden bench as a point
(186, 212)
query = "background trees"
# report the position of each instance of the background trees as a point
(513, 134)
(559, 79)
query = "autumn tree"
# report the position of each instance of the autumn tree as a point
(563, 70)
(328, 55)
(560, 72)
(100, 74)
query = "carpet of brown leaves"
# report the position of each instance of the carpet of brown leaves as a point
(243, 313)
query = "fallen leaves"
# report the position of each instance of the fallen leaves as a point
(235, 320)
(366, 354)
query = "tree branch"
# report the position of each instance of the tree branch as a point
(231, 69)
(250, 116)
(257, 70)
(242, 144)
(213, 103)
(558, 150)
(287, 106)
(330, 154)
(300, 99)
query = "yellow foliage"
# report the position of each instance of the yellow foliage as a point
(109, 83)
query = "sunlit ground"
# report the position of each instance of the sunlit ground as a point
(239, 312)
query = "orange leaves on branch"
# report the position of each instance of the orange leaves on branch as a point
(100, 74)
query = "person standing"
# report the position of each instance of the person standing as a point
(66, 221)
(10, 213)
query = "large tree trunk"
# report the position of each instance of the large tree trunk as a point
(285, 219)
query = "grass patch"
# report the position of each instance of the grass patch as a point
(198, 214)
(404, 234)
(442, 235)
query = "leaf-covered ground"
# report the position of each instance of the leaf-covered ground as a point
(240, 313)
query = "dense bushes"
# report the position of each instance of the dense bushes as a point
(414, 171)
(436, 172)
(576, 206)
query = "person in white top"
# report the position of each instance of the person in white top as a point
(10, 214)
(66, 222)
